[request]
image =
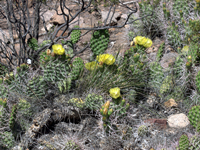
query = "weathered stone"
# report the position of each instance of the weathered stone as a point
(104, 15)
(170, 103)
(178, 121)
(58, 19)
(168, 59)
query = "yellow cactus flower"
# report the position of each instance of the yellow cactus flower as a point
(91, 65)
(110, 60)
(101, 58)
(115, 92)
(140, 40)
(106, 58)
(58, 49)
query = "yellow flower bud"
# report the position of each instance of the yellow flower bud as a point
(107, 104)
(105, 111)
(48, 52)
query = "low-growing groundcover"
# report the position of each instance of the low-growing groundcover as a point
(103, 104)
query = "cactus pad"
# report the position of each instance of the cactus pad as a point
(183, 142)
(194, 115)
(75, 35)
(99, 42)
(77, 67)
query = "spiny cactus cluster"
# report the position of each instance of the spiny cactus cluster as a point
(93, 101)
(77, 68)
(7, 140)
(120, 108)
(135, 61)
(75, 35)
(64, 85)
(194, 115)
(99, 41)
(174, 37)
(167, 85)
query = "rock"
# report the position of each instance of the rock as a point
(48, 26)
(124, 16)
(160, 123)
(170, 103)
(151, 100)
(47, 15)
(168, 59)
(104, 15)
(60, 32)
(178, 121)
(58, 19)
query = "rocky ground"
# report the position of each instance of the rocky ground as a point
(165, 121)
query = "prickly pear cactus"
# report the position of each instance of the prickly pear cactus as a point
(194, 115)
(174, 37)
(37, 87)
(194, 143)
(142, 130)
(77, 68)
(99, 41)
(6, 140)
(156, 75)
(56, 71)
(64, 85)
(93, 101)
(183, 142)
(75, 35)
(23, 113)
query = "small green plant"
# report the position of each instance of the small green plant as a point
(142, 130)
(120, 108)
(93, 101)
(72, 145)
(160, 51)
(167, 85)
(33, 43)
